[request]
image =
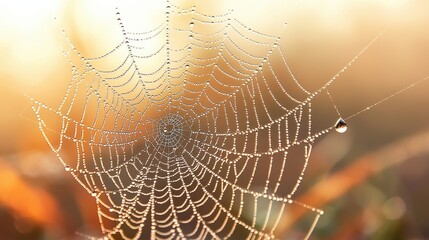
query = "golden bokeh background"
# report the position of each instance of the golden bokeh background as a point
(39, 200)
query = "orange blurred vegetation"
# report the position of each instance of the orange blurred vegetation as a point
(320, 39)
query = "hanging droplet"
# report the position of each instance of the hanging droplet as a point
(94, 193)
(67, 168)
(191, 24)
(341, 126)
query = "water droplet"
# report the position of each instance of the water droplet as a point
(191, 24)
(94, 193)
(67, 168)
(187, 66)
(341, 126)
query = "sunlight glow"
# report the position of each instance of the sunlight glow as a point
(28, 26)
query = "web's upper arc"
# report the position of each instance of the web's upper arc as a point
(185, 130)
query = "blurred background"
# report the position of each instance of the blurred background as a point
(370, 181)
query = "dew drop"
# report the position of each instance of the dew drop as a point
(94, 193)
(191, 24)
(67, 168)
(341, 126)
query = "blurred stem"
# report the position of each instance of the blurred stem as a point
(361, 169)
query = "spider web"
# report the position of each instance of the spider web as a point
(195, 146)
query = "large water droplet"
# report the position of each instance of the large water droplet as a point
(341, 126)
(67, 168)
